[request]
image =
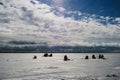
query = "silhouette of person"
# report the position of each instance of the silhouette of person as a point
(45, 55)
(50, 55)
(35, 57)
(102, 56)
(99, 56)
(66, 58)
(87, 57)
(93, 57)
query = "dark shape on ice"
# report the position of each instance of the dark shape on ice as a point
(93, 57)
(113, 75)
(101, 56)
(66, 58)
(45, 55)
(108, 76)
(35, 57)
(87, 57)
(50, 55)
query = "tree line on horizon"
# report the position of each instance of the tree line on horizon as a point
(60, 49)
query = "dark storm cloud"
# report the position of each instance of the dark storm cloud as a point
(21, 42)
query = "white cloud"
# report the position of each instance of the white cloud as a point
(35, 21)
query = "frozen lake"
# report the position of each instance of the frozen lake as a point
(21, 66)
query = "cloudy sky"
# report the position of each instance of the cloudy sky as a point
(60, 22)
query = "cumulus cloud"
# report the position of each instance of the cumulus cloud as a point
(30, 20)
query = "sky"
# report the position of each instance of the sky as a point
(60, 22)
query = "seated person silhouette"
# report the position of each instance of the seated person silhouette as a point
(50, 55)
(66, 58)
(93, 57)
(45, 55)
(87, 57)
(35, 57)
(101, 56)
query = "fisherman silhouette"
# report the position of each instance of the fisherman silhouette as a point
(45, 55)
(101, 56)
(86, 57)
(93, 57)
(50, 55)
(66, 58)
(35, 57)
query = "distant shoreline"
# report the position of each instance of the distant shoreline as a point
(63, 52)
(60, 49)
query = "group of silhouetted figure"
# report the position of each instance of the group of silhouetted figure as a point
(47, 55)
(50, 55)
(101, 56)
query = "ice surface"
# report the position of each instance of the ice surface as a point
(21, 66)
